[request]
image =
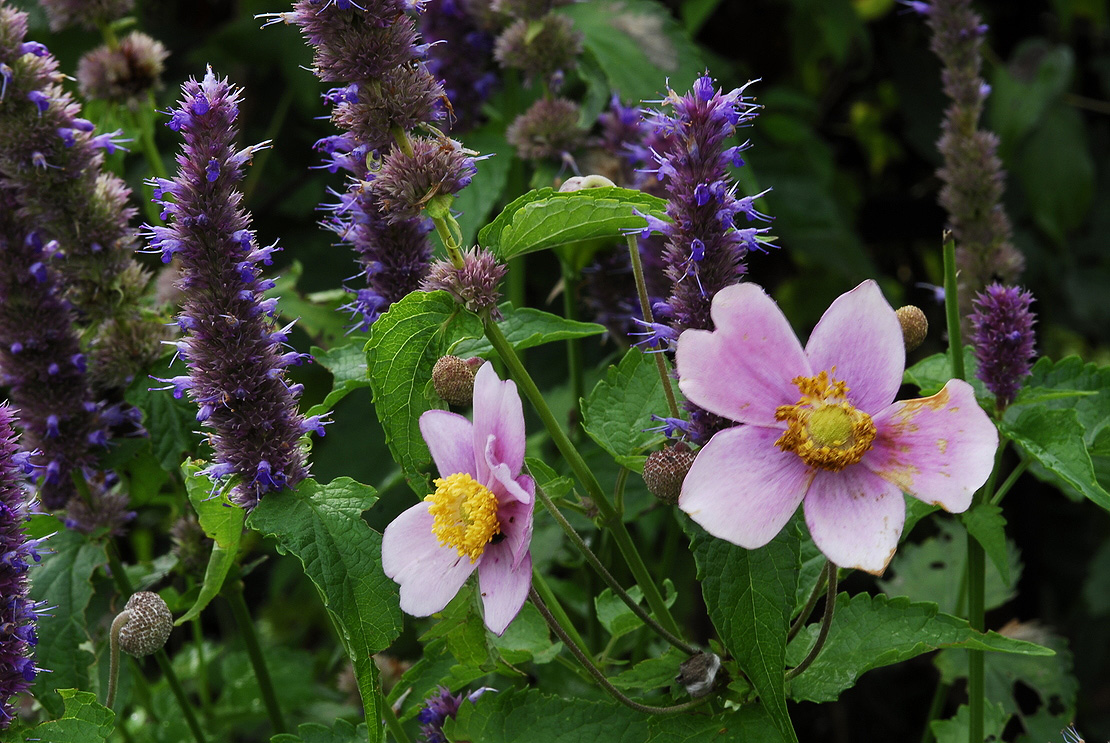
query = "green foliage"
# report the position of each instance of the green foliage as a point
(618, 411)
(311, 732)
(955, 729)
(347, 364)
(872, 631)
(404, 345)
(63, 582)
(985, 522)
(222, 522)
(750, 595)
(83, 720)
(546, 218)
(169, 421)
(322, 526)
(526, 327)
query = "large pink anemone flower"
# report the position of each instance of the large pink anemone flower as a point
(821, 426)
(479, 518)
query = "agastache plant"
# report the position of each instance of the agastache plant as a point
(53, 161)
(972, 172)
(374, 52)
(1002, 336)
(18, 611)
(234, 351)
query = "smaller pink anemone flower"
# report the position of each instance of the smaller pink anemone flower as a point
(821, 427)
(480, 516)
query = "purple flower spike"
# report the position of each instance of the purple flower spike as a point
(235, 358)
(440, 706)
(821, 426)
(1002, 334)
(17, 553)
(430, 550)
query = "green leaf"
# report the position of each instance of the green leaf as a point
(955, 729)
(404, 345)
(619, 409)
(547, 479)
(748, 724)
(932, 373)
(347, 365)
(924, 571)
(312, 732)
(545, 218)
(1086, 390)
(1016, 106)
(873, 631)
(522, 716)
(527, 328)
(638, 45)
(170, 422)
(322, 526)
(986, 523)
(62, 582)
(222, 521)
(528, 638)
(653, 673)
(1057, 172)
(750, 595)
(614, 615)
(83, 720)
(1054, 438)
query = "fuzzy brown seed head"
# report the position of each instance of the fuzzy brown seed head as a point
(453, 380)
(914, 326)
(149, 626)
(665, 470)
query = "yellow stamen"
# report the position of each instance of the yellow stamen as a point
(823, 428)
(465, 514)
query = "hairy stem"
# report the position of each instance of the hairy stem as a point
(826, 623)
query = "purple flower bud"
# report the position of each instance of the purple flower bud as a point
(1002, 335)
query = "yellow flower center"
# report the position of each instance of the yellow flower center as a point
(465, 514)
(823, 428)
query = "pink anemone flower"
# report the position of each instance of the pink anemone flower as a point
(480, 516)
(821, 427)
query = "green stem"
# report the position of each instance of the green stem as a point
(645, 310)
(393, 724)
(618, 491)
(803, 616)
(540, 586)
(574, 350)
(952, 308)
(1009, 481)
(826, 623)
(166, 667)
(234, 594)
(610, 518)
(113, 655)
(594, 671)
(608, 577)
(450, 234)
(202, 670)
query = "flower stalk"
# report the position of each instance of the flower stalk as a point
(233, 592)
(826, 623)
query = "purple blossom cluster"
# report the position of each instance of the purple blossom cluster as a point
(438, 708)
(234, 352)
(972, 172)
(1002, 336)
(460, 53)
(17, 611)
(52, 161)
(374, 52)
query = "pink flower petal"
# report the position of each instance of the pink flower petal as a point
(516, 524)
(855, 518)
(860, 336)
(939, 449)
(742, 370)
(497, 412)
(450, 437)
(504, 482)
(504, 586)
(742, 488)
(429, 573)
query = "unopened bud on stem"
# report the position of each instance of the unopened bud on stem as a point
(914, 326)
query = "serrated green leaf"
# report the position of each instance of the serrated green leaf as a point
(547, 479)
(1086, 390)
(614, 615)
(933, 372)
(527, 328)
(312, 732)
(618, 411)
(750, 595)
(520, 716)
(1054, 438)
(322, 526)
(170, 422)
(222, 522)
(748, 724)
(955, 729)
(653, 673)
(528, 638)
(83, 720)
(638, 45)
(404, 345)
(62, 582)
(986, 523)
(546, 218)
(924, 571)
(873, 631)
(347, 365)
